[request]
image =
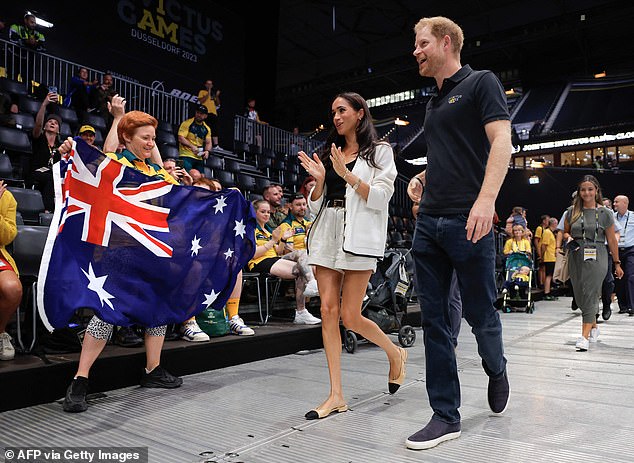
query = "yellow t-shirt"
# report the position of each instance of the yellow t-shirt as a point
(299, 231)
(538, 232)
(262, 236)
(126, 158)
(196, 134)
(548, 240)
(209, 103)
(513, 246)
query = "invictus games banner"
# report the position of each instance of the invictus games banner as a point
(169, 45)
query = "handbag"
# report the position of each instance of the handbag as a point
(560, 273)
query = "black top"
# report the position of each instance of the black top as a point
(43, 155)
(336, 185)
(457, 144)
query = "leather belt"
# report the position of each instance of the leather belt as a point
(336, 203)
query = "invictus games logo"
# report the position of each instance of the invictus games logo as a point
(453, 99)
(171, 26)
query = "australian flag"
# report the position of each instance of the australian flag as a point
(137, 249)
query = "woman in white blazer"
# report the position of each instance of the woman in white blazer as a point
(355, 181)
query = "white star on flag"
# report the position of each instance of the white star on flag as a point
(96, 283)
(220, 205)
(210, 298)
(229, 253)
(240, 229)
(195, 246)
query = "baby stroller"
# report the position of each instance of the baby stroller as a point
(386, 299)
(517, 293)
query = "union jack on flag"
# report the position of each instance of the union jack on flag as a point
(137, 249)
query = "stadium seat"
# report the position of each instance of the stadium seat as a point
(233, 166)
(6, 168)
(261, 183)
(245, 182)
(165, 127)
(29, 105)
(96, 121)
(13, 87)
(68, 115)
(30, 204)
(267, 280)
(208, 173)
(169, 151)
(225, 178)
(14, 140)
(28, 247)
(166, 138)
(25, 121)
(215, 163)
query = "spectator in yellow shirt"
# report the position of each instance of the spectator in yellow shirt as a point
(549, 256)
(518, 243)
(209, 97)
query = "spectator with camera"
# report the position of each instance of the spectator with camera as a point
(587, 225)
(44, 147)
(175, 168)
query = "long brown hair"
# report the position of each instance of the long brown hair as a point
(367, 137)
(577, 202)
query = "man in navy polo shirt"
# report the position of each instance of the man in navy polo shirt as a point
(468, 133)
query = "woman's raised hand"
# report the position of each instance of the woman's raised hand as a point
(313, 166)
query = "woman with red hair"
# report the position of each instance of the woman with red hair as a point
(136, 131)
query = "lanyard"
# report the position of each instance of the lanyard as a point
(583, 228)
(627, 219)
(516, 247)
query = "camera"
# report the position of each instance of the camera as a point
(573, 245)
(52, 89)
(180, 163)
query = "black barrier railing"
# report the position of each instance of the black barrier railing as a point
(32, 68)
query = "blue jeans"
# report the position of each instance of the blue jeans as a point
(440, 246)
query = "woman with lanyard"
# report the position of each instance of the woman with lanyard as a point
(587, 225)
(354, 183)
(518, 243)
(45, 143)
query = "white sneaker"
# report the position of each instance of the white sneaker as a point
(190, 331)
(237, 326)
(7, 352)
(304, 317)
(311, 289)
(582, 344)
(594, 335)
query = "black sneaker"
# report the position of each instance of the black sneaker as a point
(433, 434)
(607, 312)
(160, 377)
(498, 393)
(127, 337)
(75, 400)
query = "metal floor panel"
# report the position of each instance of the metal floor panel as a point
(566, 406)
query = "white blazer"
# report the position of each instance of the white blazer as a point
(365, 227)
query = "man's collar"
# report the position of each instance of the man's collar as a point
(460, 75)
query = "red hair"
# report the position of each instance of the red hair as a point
(132, 121)
(303, 190)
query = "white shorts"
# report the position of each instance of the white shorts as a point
(326, 244)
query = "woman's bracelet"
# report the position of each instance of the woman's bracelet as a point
(346, 174)
(617, 262)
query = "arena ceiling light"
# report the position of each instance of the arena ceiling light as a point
(41, 22)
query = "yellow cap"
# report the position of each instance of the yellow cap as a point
(86, 128)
